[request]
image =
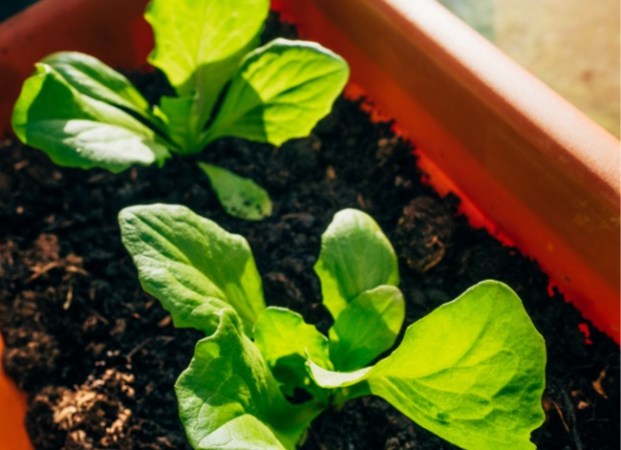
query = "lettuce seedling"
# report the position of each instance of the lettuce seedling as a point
(84, 114)
(472, 371)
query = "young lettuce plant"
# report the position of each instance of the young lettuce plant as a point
(472, 371)
(84, 114)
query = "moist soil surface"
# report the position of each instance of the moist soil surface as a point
(98, 357)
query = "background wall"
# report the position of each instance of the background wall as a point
(572, 45)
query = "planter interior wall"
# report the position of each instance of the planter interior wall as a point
(12, 414)
(544, 175)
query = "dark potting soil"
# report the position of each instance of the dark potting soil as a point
(99, 358)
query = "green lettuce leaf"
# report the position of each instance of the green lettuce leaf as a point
(199, 43)
(244, 432)
(472, 371)
(367, 327)
(240, 197)
(285, 340)
(93, 78)
(192, 266)
(176, 118)
(229, 399)
(280, 92)
(355, 257)
(77, 130)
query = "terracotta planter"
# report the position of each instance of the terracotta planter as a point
(527, 165)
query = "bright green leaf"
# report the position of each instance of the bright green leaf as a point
(367, 327)
(244, 432)
(471, 372)
(75, 130)
(330, 379)
(285, 341)
(192, 266)
(91, 77)
(355, 257)
(228, 391)
(199, 43)
(280, 92)
(177, 118)
(240, 197)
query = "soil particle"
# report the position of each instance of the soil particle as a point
(91, 416)
(423, 233)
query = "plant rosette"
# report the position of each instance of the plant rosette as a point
(84, 114)
(472, 371)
